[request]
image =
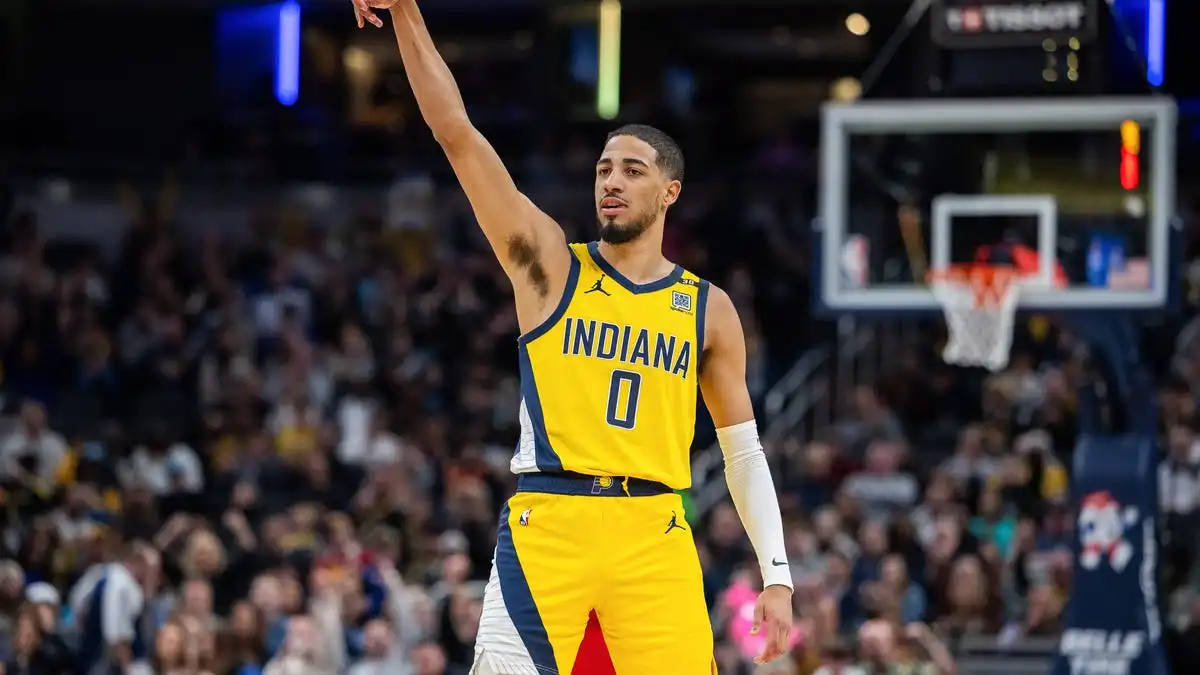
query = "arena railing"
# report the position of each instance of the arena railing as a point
(708, 476)
(801, 404)
(988, 655)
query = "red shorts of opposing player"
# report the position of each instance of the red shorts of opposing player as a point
(593, 654)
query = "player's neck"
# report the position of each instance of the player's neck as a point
(641, 260)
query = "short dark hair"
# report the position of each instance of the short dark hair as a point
(670, 156)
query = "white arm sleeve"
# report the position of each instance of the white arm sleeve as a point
(753, 492)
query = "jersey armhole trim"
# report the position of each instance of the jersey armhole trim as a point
(563, 302)
(701, 308)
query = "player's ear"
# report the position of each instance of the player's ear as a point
(671, 195)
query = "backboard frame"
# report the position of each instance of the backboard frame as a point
(1044, 207)
(839, 121)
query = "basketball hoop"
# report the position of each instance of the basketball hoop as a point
(980, 302)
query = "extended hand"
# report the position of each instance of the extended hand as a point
(362, 10)
(773, 618)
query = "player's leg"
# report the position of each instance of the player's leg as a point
(652, 611)
(541, 588)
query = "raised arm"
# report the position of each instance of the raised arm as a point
(723, 385)
(529, 244)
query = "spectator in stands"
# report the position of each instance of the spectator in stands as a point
(838, 659)
(33, 453)
(1184, 641)
(164, 465)
(1043, 611)
(885, 648)
(971, 462)
(993, 525)
(882, 489)
(907, 597)
(1179, 497)
(872, 421)
(811, 482)
(171, 650)
(314, 643)
(315, 435)
(30, 655)
(970, 597)
(112, 633)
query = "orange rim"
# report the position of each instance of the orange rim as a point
(988, 283)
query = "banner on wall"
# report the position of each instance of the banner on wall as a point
(1113, 623)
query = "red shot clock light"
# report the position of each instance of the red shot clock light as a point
(1131, 145)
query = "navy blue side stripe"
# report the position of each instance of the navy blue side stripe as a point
(519, 599)
(544, 455)
(701, 308)
(559, 310)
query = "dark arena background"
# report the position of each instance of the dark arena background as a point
(246, 316)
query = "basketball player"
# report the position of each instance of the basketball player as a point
(615, 340)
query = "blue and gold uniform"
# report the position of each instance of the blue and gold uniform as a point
(609, 381)
(608, 407)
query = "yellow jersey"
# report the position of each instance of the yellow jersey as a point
(609, 381)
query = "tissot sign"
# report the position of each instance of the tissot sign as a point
(1011, 23)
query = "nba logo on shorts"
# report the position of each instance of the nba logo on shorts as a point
(681, 301)
(524, 520)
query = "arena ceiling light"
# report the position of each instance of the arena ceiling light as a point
(608, 79)
(287, 60)
(857, 24)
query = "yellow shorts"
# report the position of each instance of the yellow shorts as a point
(569, 544)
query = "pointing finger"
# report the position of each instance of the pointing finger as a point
(777, 641)
(767, 655)
(782, 638)
(363, 10)
(760, 619)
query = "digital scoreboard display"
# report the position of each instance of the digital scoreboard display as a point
(969, 24)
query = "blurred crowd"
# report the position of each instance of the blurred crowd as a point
(936, 512)
(901, 549)
(294, 441)
(292, 438)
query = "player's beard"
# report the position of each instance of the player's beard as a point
(612, 232)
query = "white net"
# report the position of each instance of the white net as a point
(980, 303)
